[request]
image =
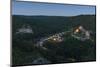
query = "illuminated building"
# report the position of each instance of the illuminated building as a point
(56, 38)
(81, 34)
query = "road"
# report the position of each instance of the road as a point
(42, 40)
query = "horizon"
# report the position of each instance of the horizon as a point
(54, 15)
(50, 9)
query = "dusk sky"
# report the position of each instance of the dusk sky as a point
(32, 8)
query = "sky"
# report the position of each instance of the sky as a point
(50, 9)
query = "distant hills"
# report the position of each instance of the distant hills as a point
(53, 24)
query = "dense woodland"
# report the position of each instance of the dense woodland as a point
(70, 50)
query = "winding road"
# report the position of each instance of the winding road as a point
(42, 40)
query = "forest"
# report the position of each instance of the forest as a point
(25, 52)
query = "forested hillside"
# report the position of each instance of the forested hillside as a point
(70, 49)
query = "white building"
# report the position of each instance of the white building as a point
(84, 35)
(41, 61)
(24, 29)
(56, 38)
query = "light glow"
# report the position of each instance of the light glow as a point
(54, 39)
(77, 30)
